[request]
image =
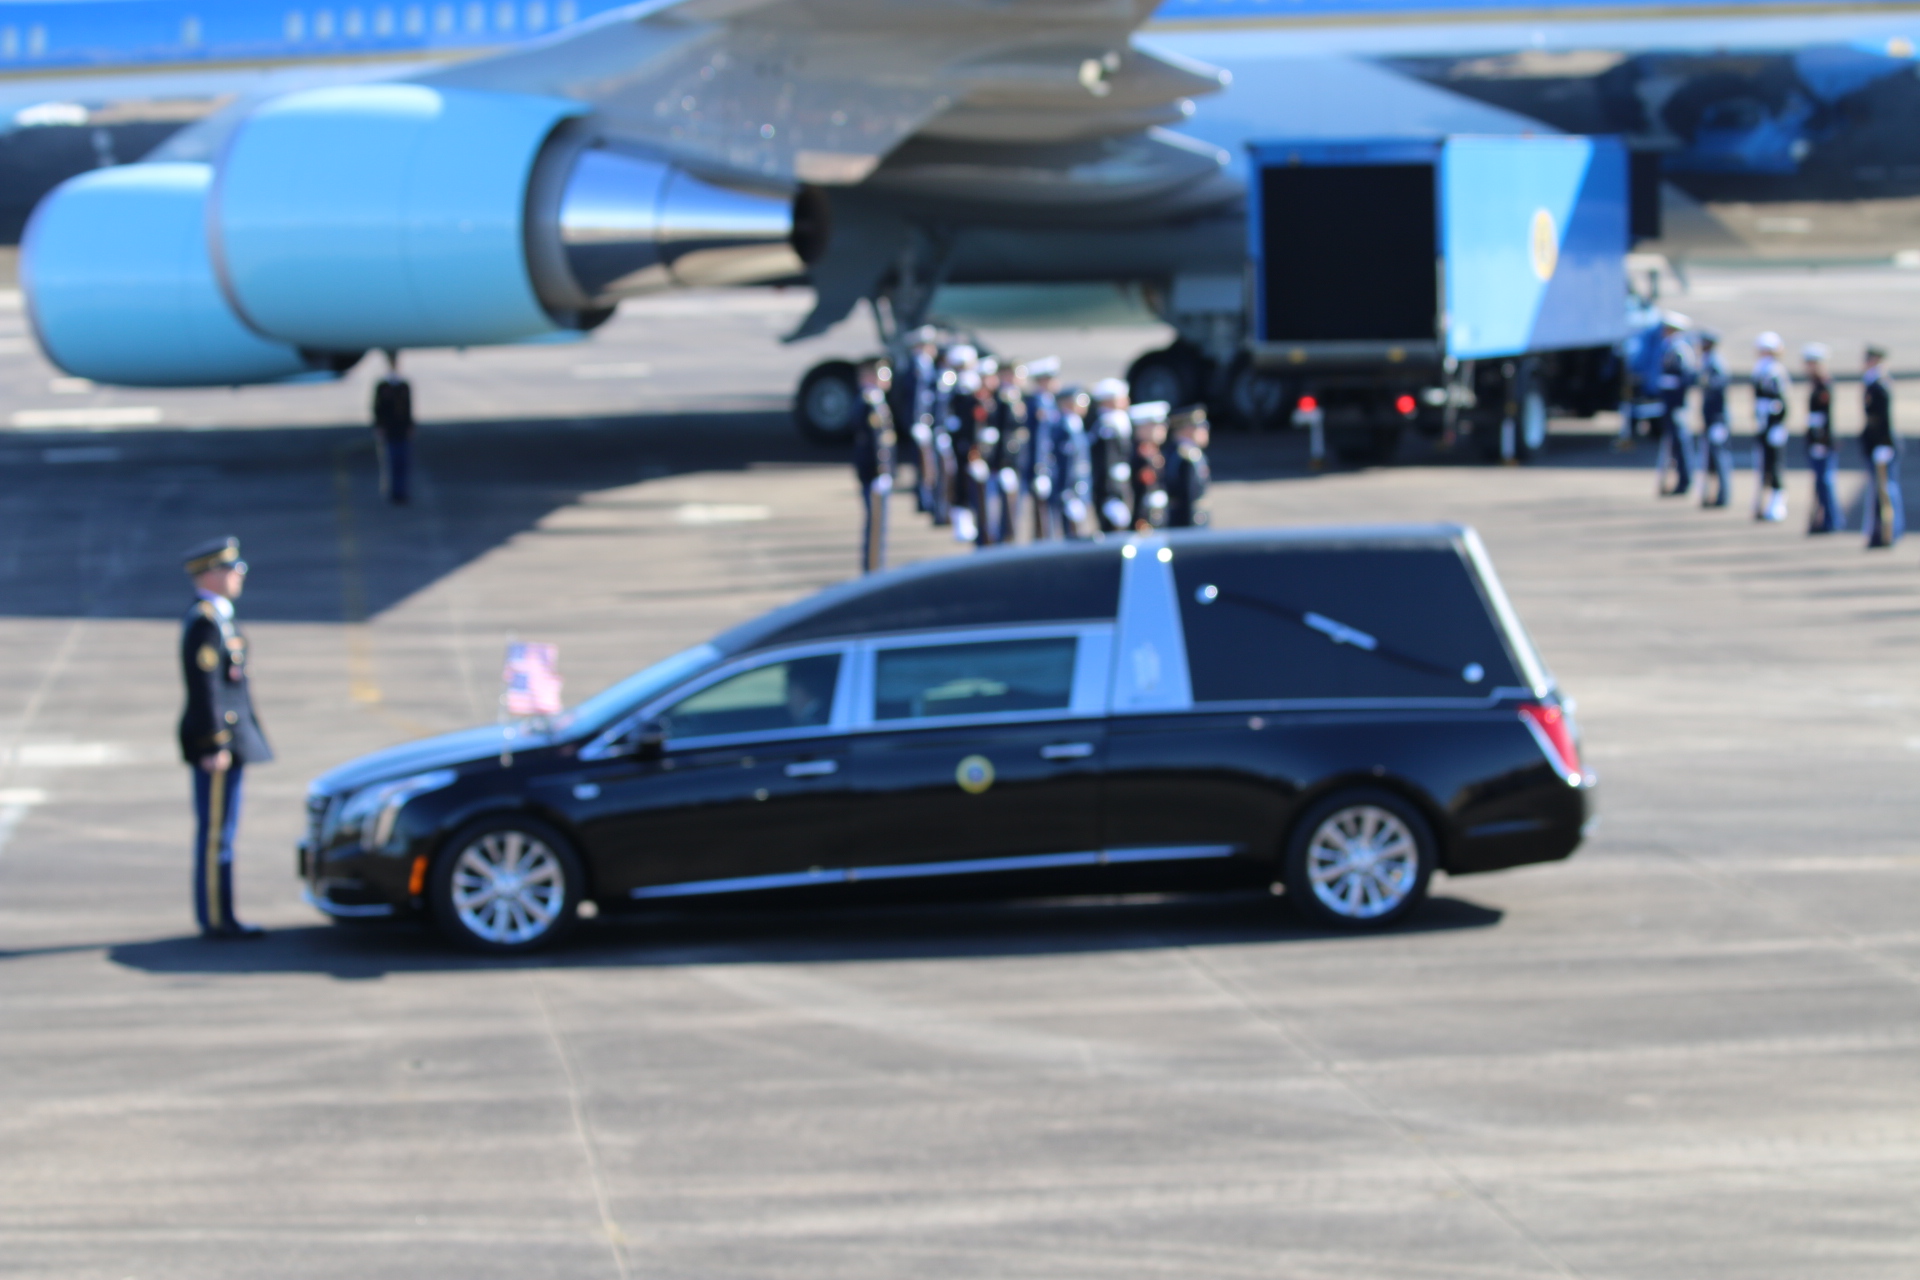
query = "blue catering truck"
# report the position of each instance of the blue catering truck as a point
(1461, 285)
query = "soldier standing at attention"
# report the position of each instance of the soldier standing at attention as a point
(219, 735)
(1110, 446)
(1148, 462)
(1045, 422)
(873, 459)
(1716, 470)
(1676, 378)
(1187, 472)
(915, 395)
(1886, 509)
(393, 433)
(1771, 386)
(1821, 459)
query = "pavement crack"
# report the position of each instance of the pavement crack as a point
(1331, 1070)
(576, 1103)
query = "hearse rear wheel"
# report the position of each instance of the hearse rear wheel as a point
(1359, 859)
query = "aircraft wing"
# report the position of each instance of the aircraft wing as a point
(820, 91)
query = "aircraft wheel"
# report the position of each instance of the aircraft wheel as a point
(828, 403)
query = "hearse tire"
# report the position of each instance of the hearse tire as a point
(506, 885)
(1359, 859)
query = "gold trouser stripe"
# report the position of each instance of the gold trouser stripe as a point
(216, 819)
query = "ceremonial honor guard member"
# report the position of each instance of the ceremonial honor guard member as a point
(1771, 386)
(1716, 471)
(1186, 475)
(1886, 509)
(1676, 377)
(873, 460)
(1045, 423)
(393, 433)
(1821, 459)
(219, 735)
(1110, 446)
(915, 394)
(1008, 445)
(1148, 462)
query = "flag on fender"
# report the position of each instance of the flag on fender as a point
(532, 678)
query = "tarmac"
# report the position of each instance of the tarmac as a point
(1692, 1050)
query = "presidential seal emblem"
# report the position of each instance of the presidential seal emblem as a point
(1546, 244)
(974, 774)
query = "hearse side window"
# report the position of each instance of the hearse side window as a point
(973, 679)
(1301, 622)
(794, 694)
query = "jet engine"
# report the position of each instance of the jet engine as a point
(386, 216)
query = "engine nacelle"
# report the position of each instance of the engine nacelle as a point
(120, 287)
(381, 216)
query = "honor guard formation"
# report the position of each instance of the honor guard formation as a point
(1675, 357)
(219, 734)
(1002, 453)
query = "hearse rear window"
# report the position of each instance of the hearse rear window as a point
(1287, 621)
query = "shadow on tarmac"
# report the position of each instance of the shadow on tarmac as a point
(816, 937)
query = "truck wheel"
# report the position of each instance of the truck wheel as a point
(1175, 374)
(1254, 399)
(1360, 859)
(828, 403)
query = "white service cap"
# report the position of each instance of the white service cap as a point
(1768, 341)
(1109, 389)
(1814, 351)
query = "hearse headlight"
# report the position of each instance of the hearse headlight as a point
(373, 810)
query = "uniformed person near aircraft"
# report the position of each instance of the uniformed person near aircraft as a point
(1148, 462)
(1072, 466)
(1676, 377)
(1716, 467)
(393, 433)
(916, 390)
(1045, 421)
(953, 417)
(1886, 508)
(219, 735)
(1822, 457)
(874, 443)
(1186, 475)
(1110, 446)
(1771, 387)
(1003, 452)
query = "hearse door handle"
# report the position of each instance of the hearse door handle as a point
(812, 768)
(1066, 751)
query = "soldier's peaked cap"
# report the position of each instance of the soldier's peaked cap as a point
(215, 553)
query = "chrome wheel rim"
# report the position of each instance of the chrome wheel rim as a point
(1363, 862)
(508, 887)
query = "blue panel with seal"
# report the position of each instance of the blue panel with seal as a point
(1533, 238)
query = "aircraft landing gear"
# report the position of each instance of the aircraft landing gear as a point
(827, 406)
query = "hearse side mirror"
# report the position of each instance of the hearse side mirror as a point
(648, 739)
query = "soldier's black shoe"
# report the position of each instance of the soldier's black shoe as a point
(235, 930)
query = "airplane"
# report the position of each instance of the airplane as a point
(379, 175)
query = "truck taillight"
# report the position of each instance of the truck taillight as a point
(1554, 732)
(1307, 404)
(1406, 405)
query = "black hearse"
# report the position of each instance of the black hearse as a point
(1335, 711)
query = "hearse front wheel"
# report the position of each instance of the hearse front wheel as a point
(506, 885)
(1359, 859)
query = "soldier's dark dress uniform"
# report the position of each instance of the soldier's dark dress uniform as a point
(1677, 376)
(874, 445)
(1886, 507)
(393, 432)
(1771, 386)
(1003, 444)
(218, 717)
(1716, 471)
(1110, 446)
(1186, 474)
(1822, 459)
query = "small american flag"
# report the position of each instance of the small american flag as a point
(532, 678)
